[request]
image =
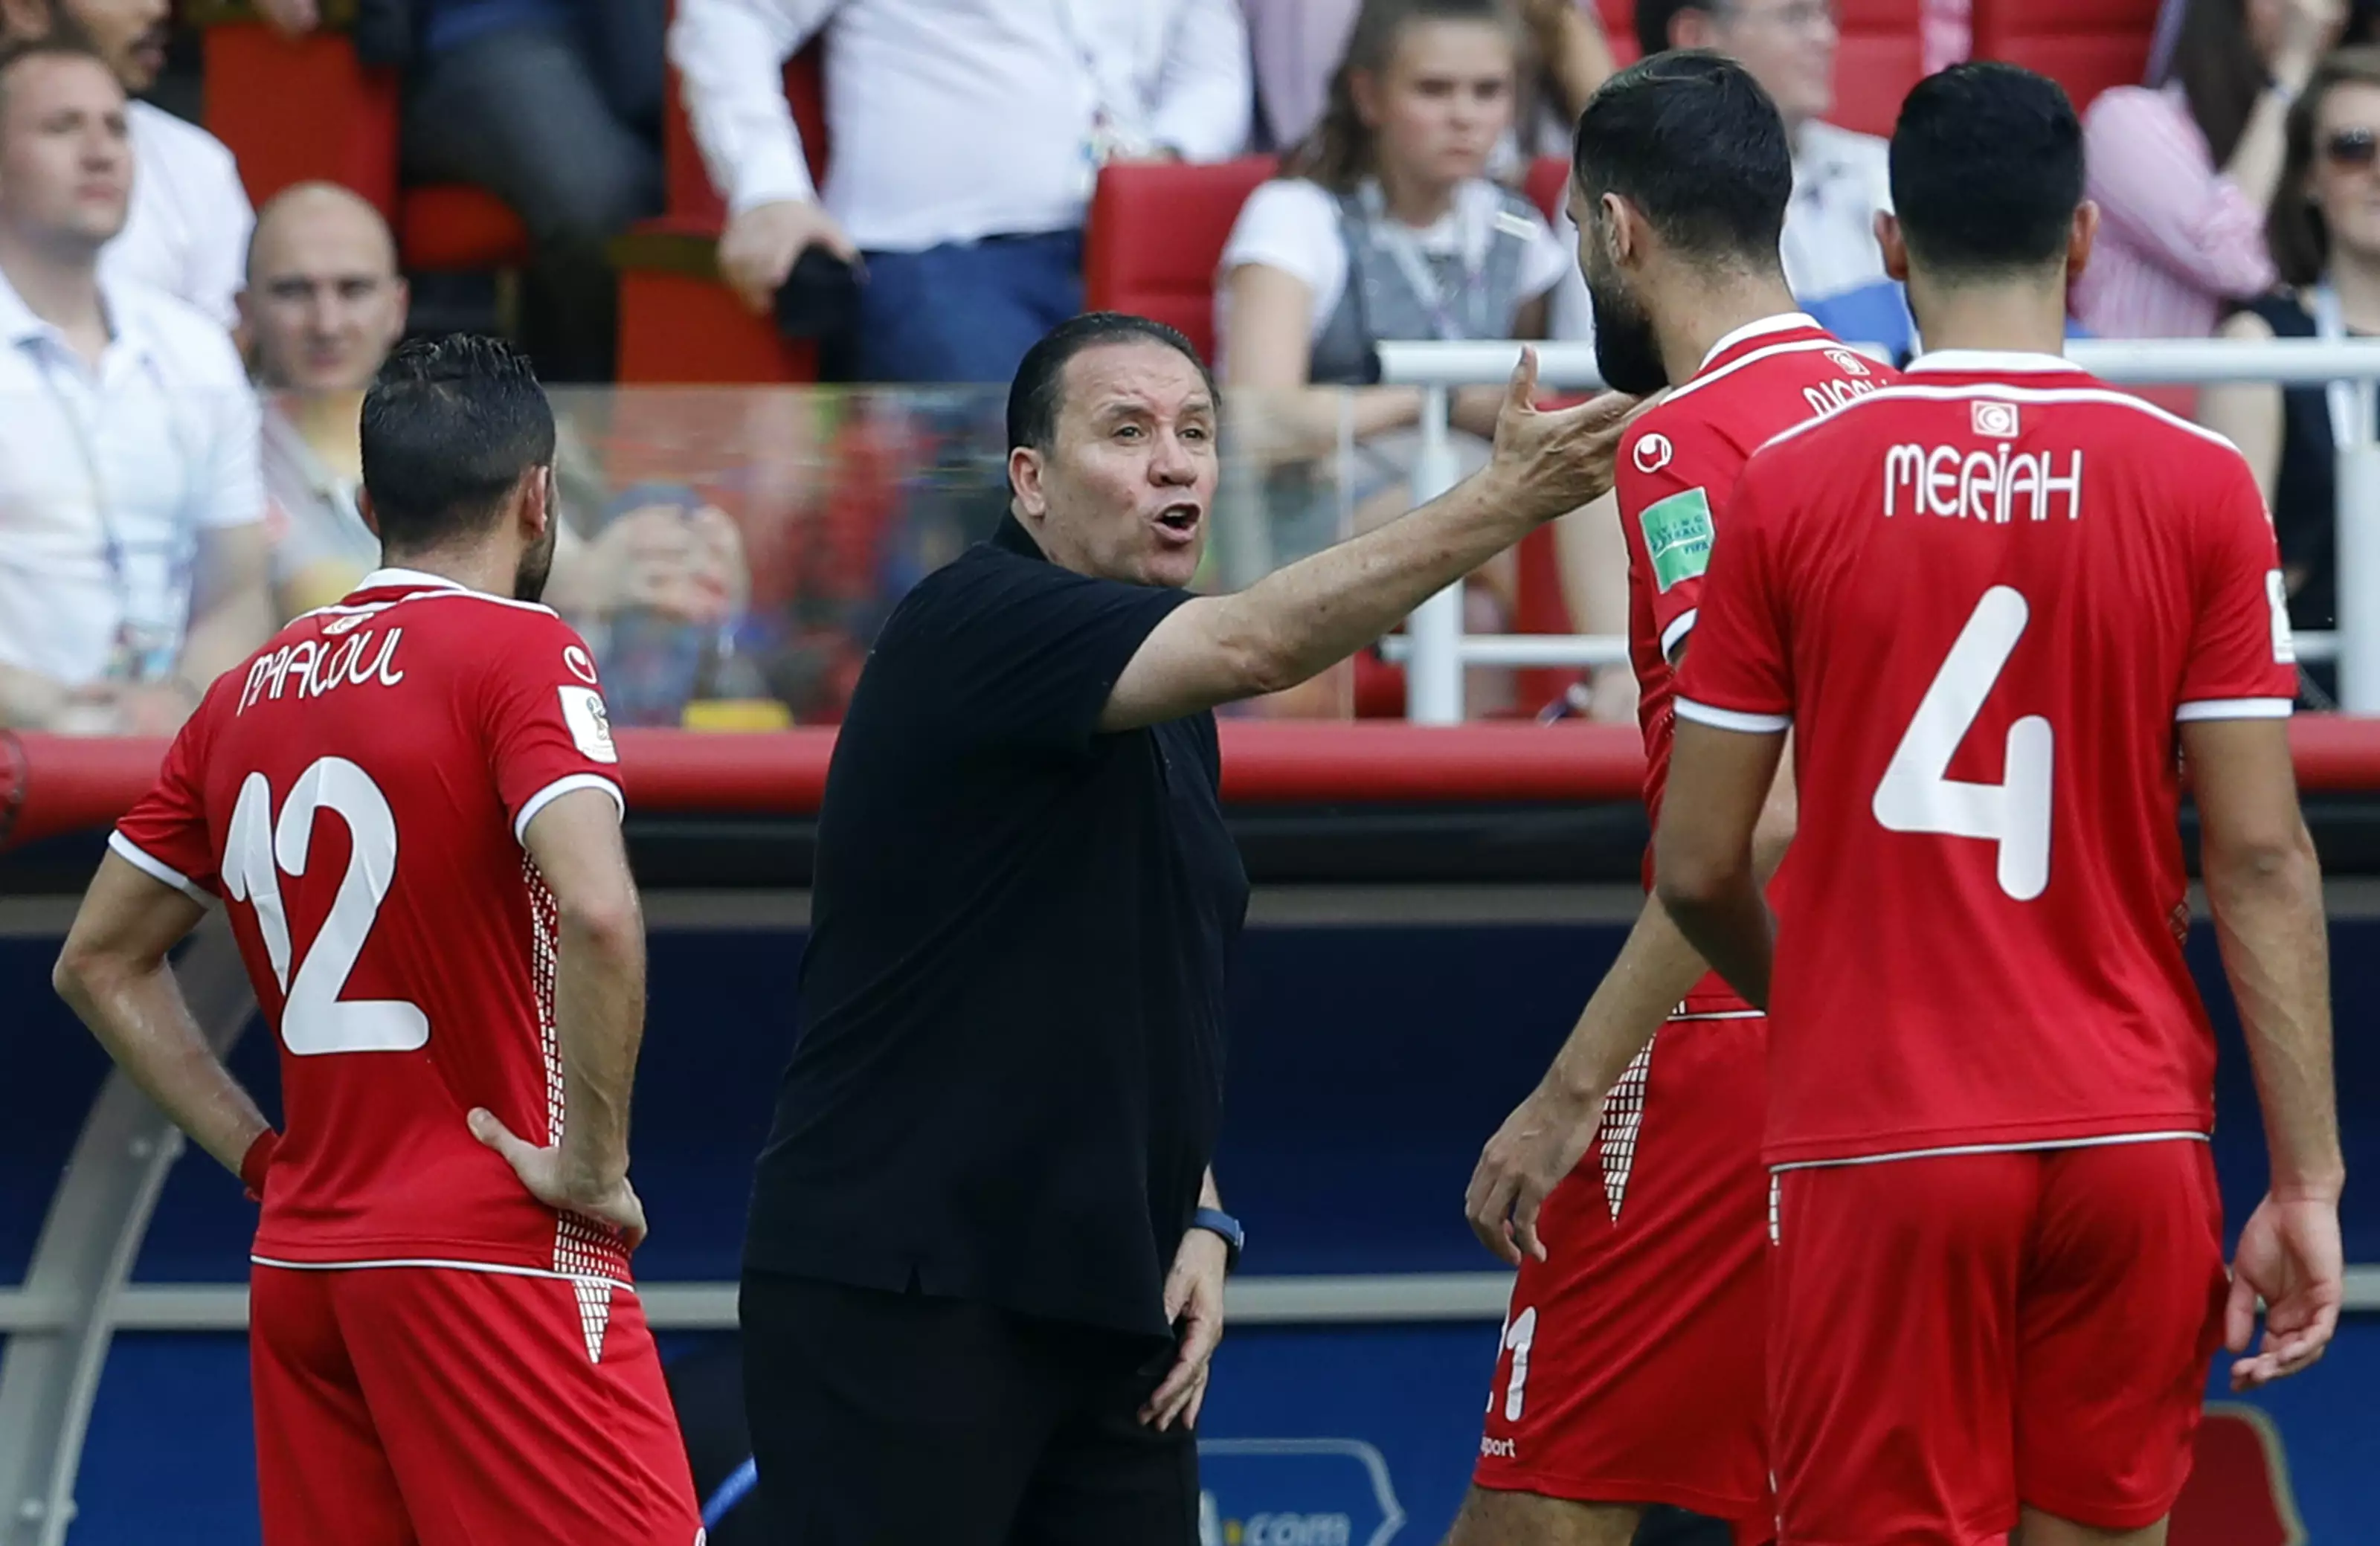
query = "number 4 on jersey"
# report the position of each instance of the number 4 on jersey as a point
(1917, 796)
(259, 851)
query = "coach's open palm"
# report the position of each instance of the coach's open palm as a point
(1553, 460)
(540, 1171)
(2289, 1256)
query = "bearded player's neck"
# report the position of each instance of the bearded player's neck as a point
(1701, 305)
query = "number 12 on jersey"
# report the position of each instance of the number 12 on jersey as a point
(259, 851)
(1916, 795)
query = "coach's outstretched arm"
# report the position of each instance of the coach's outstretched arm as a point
(2263, 884)
(114, 973)
(1547, 1133)
(1316, 612)
(599, 1014)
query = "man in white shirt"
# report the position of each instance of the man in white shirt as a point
(132, 548)
(965, 137)
(1840, 178)
(187, 231)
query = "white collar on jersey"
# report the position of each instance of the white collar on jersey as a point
(405, 579)
(1784, 322)
(1991, 362)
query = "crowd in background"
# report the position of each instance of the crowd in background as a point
(181, 375)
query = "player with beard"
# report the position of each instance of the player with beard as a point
(409, 803)
(1632, 1365)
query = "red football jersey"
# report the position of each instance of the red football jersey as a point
(356, 794)
(1984, 607)
(1677, 466)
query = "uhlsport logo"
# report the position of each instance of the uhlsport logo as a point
(1295, 1492)
(1654, 452)
(1847, 362)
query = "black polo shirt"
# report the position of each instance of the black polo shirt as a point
(1008, 1070)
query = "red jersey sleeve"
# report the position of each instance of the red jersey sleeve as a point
(1739, 676)
(2242, 661)
(543, 721)
(1673, 475)
(164, 835)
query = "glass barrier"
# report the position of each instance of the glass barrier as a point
(731, 553)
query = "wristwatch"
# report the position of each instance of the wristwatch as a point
(1217, 1221)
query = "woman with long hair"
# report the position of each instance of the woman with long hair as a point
(1383, 225)
(2324, 233)
(2182, 171)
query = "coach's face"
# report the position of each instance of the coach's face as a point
(1123, 490)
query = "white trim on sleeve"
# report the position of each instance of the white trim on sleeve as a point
(1734, 719)
(2235, 709)
(157, 869)
(556, 789)
(1675, 634)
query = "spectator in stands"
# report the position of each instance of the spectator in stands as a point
(965, 136)
(1383, 225)
(187, 231)
(2324, 233)
(2182, 171)
(1298, 44)
(541, 102)
(1840, 177)
(324, 307)
(132, 551)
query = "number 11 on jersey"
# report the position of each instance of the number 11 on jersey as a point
(1916, 795)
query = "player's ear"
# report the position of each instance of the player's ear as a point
(364, 508)
(1896, 251)
(1622, 230)
(2080, 241)
(538, 505)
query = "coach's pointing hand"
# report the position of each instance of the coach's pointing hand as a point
(540, 1170)
(1549, 462)
(1194, 1303)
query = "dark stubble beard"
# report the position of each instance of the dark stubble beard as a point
(528, 581)
(1626, 351)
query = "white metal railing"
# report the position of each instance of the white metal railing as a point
(1436, 650)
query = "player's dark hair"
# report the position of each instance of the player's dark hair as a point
(1986, 170)
(1689, 137)
(1655, 18)
(1340, 151)
(449, 427)
(1039, 390)
(59, 45)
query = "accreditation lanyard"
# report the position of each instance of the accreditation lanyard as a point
(1453, 317)
(146, 637)
(1109, 71)
(2330, 326)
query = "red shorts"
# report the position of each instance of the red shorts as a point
(1631, 1371)
(428, 1405)
(1952, 1335)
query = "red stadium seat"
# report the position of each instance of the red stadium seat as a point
(1157, 235)
(2238, 1492)
(2084, 45)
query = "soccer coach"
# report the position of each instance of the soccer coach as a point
(984, 1273)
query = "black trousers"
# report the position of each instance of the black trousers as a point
(899, 1420)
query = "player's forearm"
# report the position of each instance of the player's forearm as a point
(1656, 968)
(1321, 610)
(1728, 922)
(599, 1010)
(139, 1015)
(2268, 921)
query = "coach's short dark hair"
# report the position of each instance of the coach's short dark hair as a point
(1656, 18)
(449, 427)
(1986, 170)
(1689, 137)
(1038, 391)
